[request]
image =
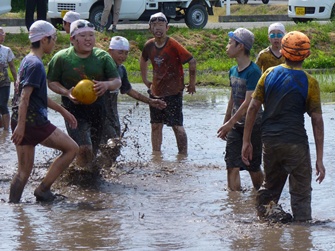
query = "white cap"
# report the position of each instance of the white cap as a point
(80, 26)
(71, 16)
(159, 16)
(40, 29)
(119, 43)
(277, 26)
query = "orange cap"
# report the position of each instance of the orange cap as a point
(295, 46)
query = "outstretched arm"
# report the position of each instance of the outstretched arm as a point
(65, 113)
(157, 103)
(318, 131)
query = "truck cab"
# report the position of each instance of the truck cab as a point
(5, 6)
(307, 10)
(193, 12)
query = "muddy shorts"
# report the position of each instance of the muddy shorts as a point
(234, 149)
(282, 160)
(172, 115)
(33, 135)
(4, 96)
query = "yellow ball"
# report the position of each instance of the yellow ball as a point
(84, 92)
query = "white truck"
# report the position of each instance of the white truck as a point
(194, 12)
(307, 10)
(5, 6)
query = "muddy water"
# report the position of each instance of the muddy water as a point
(166, 202)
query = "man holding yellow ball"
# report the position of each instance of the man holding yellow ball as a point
(72, 65)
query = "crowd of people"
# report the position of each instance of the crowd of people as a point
(264, 119)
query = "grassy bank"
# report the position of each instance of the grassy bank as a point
(208, 47)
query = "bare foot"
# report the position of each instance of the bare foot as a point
(46, 196)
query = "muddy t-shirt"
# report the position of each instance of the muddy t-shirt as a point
(167, 62)
(267, 59)
(241, 82)
(32, 73)
(68, 69)
(6, 56)
(287, 93)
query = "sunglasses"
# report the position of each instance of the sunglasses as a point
(276, 35)
(82, 25)
(158, 19)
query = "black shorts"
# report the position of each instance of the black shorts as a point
(172, 115)
(234, 148)
(33, 135)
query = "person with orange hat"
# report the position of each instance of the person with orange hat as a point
(287, 92)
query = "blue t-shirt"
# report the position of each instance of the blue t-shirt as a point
(241, 82)
(32, 73)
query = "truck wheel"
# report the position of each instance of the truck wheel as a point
(196, 16)
(301, 20)
(242, 1)
(95, 17)
(265, 1)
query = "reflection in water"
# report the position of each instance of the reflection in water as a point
(161, 202)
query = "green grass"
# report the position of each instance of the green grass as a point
(208, 46)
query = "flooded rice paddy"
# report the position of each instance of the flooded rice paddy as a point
(166, 202)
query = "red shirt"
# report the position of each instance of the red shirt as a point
(167, 62)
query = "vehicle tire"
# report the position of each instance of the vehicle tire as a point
(265, 1)
(196, 16)
(301, 20)
(242, 1)
(57, 22)
(95, 17)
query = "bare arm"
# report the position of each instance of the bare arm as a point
(65, 113)
(58, 88)
(157, 103)
(144, 72)
(318, 131)
(100, 87)
(13, 70)
(248, 126)
(192, 71)
(22, 115)
(229, 123)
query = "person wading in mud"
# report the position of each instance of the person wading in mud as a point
(118, 50)
(243, 79)
(66, 69)
(167, 57)
(29, 122)
(287, 92)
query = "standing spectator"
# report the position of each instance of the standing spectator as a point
(30, 124)
(6, 59)
(66, 69)
(118, 49)
(287, 92)
(41, 7)
(271, 55)
(243, 79)
(69, 18)
(107, 9)
(167, 57)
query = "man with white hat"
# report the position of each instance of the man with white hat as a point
(69, 66)
(30, 124)
(69, 18)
